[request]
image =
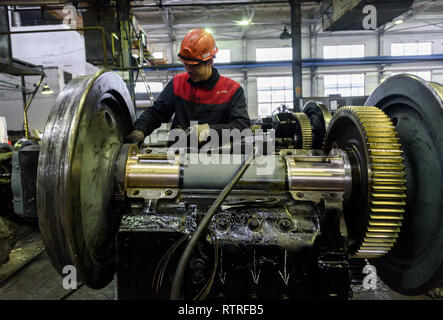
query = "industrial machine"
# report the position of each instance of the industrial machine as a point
(298, 130)
(259, 225)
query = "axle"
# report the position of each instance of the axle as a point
(294, 171)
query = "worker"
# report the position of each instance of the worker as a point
(200, 95)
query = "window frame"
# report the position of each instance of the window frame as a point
(217, 62)
(403, 44)
(288, 49)
(350, 51)
(274, 89)
(340, 87)
(142, 89)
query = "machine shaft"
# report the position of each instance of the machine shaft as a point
(302, 171)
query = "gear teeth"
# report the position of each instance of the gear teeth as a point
(382, 223)
(387, 183)
(306, 130)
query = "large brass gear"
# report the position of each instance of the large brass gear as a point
(304, 130)
(375, 214)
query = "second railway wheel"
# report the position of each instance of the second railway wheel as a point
(415, 107)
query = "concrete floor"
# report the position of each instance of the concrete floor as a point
(29, 275)
(382, 293)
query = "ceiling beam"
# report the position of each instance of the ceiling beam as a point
(152, 27)
(250, 12)
(168, 21)
(207, 4)
(216, 14)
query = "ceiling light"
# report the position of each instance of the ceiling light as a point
(208, 30)
(285, 34)
(398, 21)
(46, 89)
(244, 22)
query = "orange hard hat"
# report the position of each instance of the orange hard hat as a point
(197, 46)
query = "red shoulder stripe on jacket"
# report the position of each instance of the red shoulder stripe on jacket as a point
(222, 92)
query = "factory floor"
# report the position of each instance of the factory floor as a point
(29, 275)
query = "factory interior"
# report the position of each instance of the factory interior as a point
(262, 150)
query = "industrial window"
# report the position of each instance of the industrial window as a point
(347, 85)
(140, 90)
(422, 74)
(223, 56)
(411, 49)
(273, 54)
(158, 55)
(345, 51)
(272, 92)
(153, 85)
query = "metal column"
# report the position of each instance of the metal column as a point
(381, 67)
(24, 91)
(312, 54)
(296, 53)
(126, 45)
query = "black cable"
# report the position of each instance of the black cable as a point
(184, 259)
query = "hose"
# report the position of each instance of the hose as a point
(184, 259)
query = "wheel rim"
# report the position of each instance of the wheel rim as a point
(75, 180)
(415, 106)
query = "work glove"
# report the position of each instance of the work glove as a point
(201, 130)
(136, 136)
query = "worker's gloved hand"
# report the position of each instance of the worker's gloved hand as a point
(136, 136)
(201, 130)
